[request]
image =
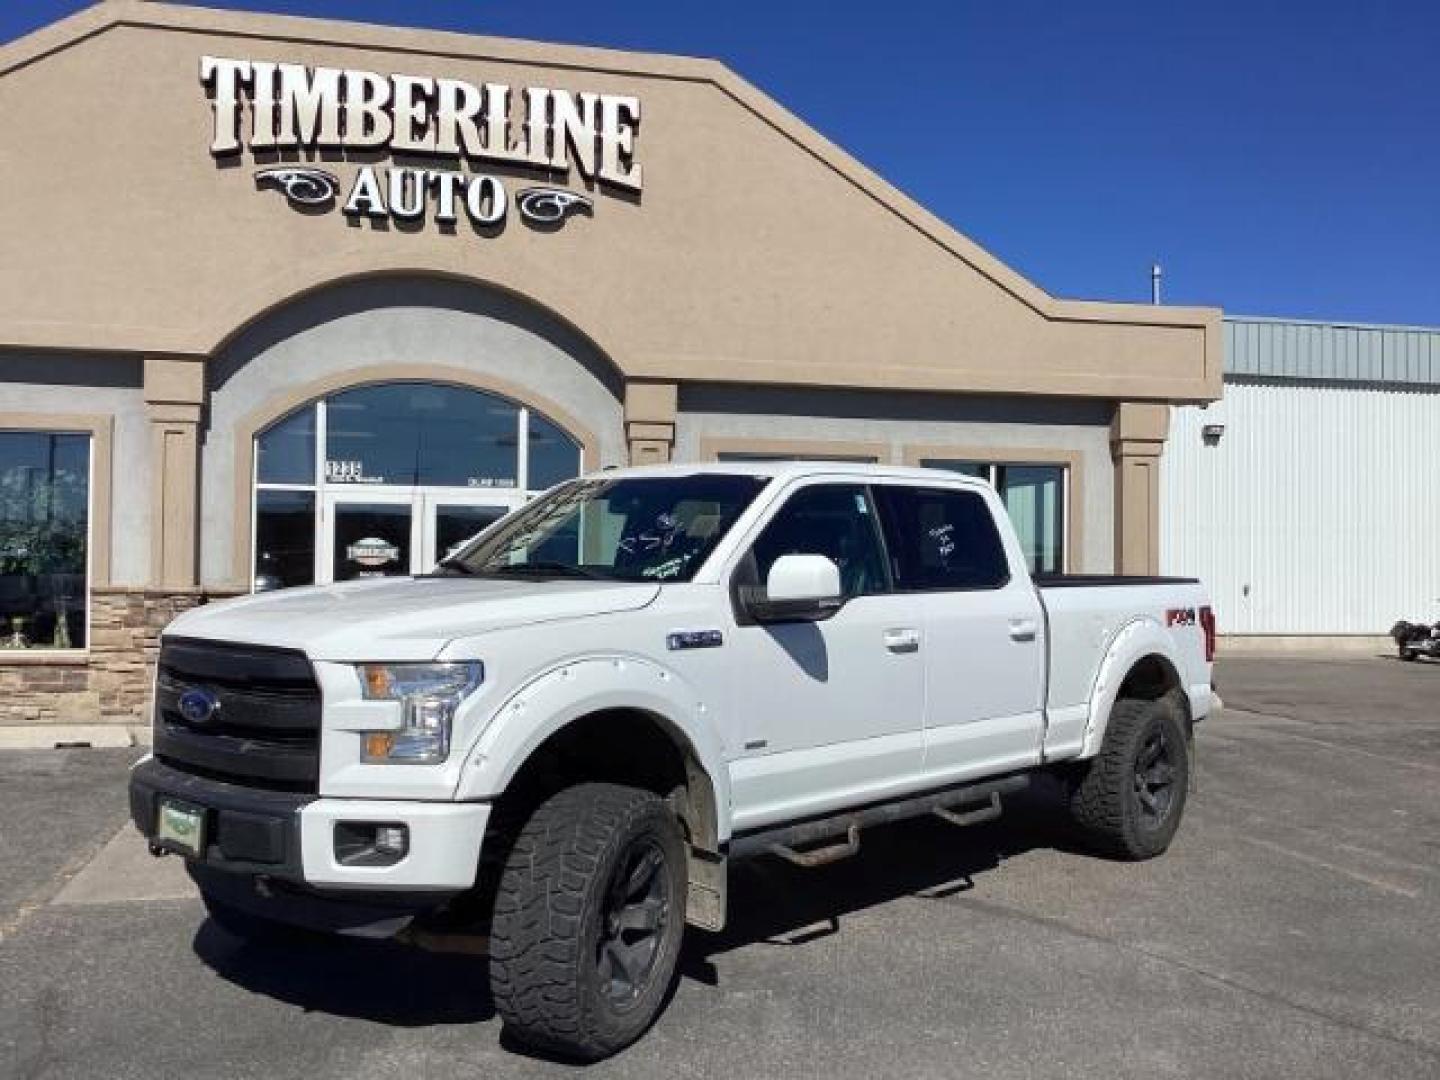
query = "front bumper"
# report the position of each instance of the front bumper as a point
(290, 838)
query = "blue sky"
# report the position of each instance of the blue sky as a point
(1278, 159)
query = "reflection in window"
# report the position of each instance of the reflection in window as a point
(552, 454)
(285, 454)
(1034, 495)
(421, 434)
(833, 520)
(44, 539)
(414, 435)
(941, 539)
(284, 539)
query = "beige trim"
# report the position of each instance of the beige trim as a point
(711, 449)
(100, 429)
(1073, 460)
(1137, 438)
(174, 390)
(44, 658)
(276, 407)
(650, 412)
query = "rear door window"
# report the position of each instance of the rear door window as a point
(940, 538)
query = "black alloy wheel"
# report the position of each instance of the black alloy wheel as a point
(1128, 800)
(588, 921)
(1155, 777)
(633, 923)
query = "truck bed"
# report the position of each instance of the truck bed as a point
(1070, 581)
(1086, 612)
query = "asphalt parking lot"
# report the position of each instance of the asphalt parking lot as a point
(1291, 931)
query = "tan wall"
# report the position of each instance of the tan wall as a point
(757, 252)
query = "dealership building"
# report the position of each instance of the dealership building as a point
(287, 301)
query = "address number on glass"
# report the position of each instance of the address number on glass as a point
(348, 472)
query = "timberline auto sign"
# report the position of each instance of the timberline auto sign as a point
(276, 109)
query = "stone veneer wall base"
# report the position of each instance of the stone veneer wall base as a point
(109, 683)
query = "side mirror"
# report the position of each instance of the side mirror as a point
(799, 588)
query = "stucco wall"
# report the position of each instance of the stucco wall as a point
(99, 385)
(398, 324)
(898, 425)
(758, 252)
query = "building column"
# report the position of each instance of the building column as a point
(174, 398)
(650, 411)
(1137, 436)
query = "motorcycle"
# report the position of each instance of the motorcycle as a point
(1416, 639)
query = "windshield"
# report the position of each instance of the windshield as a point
(657, 528)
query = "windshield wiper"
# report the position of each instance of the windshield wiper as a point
(460, 567)
(545, 569)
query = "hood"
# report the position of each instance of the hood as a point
(402, 618)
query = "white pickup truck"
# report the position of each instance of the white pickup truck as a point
(561, 736)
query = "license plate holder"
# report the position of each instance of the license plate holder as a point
(180, 827)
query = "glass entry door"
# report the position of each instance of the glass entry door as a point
(367, 535)
(452, 518)
(374, 533)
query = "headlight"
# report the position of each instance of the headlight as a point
(428, 695)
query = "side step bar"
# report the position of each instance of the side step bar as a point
(786, 840)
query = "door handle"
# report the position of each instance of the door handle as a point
(1023, 629)
(902, 639)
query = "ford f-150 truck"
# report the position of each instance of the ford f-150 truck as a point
(561, 736)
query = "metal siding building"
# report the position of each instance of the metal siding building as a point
(1309, 514)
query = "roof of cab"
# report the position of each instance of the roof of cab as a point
(787, 469)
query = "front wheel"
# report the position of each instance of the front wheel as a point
(1407, 654)
(589, 915)
(1128, 801)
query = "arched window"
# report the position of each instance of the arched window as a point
(386, 478)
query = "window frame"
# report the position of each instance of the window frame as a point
(992, 458)
(742, 565)
(97, 429)
(319, 486)
(989, 505)
(726, 451)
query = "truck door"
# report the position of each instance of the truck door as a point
(982, 624)
(833, 711)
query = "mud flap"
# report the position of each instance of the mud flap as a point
(706, 896)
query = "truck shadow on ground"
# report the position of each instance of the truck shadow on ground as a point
(381, 981)
(771, 902)
(774, 902)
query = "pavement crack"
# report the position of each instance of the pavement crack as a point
(1216, 978)
(40, 896)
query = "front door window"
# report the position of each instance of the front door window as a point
(388, 478)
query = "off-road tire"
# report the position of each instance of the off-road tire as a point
(1105, 799)
(556, 906)
(255, 929)
(1407, 654)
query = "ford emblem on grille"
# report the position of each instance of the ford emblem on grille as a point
(198, 705)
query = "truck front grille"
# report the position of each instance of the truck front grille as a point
(253, 714)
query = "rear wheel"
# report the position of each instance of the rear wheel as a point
(1406, 653)
(589, 916)
(1128, 801)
